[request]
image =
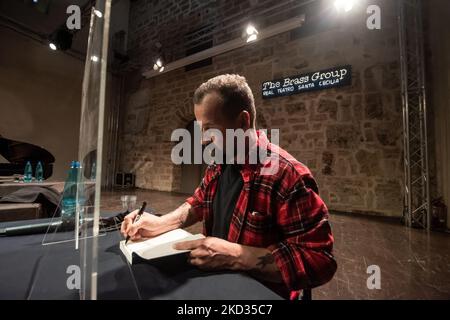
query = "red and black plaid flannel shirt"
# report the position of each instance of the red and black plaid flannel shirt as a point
(282, 212)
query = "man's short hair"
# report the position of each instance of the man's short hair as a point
(235, 93)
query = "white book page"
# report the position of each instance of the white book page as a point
(159, 246)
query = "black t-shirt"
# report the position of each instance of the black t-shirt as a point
(229, 187)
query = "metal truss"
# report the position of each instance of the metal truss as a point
(417, 210)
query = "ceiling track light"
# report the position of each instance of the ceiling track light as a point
(252, 38)
(251, 30)
(98, 13)
(158, 65)
(345, 5)
(61, 39)
(252, 33)
(227, 46)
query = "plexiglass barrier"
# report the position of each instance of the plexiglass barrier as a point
(68, 266)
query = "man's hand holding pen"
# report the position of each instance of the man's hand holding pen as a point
(147, 226)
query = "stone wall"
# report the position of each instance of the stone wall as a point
(350, 137)
(438, 88)
(170, 26)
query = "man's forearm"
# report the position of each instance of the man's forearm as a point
(181, 217)
(260, 263)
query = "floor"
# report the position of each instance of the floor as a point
(413, 264)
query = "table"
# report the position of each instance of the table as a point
(10, 187)
(32, 271)
(22, 211)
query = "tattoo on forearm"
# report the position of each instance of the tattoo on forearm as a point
(265, 260)
(186, 217)
(183, 214)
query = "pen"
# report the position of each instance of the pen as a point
(138, 216)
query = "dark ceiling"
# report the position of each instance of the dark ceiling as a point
(39, 20)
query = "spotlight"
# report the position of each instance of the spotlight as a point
(252, 37)
(345, 5)
(251, 30)
(98, 13)
(252, 33)
(61, 39)
(158, 65)
(52, 46)
(94, 58)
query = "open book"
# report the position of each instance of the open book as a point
(156, 247)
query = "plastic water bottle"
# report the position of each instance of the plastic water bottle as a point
(93, 171)
(69, 199)
(39, 172)
(28, 173)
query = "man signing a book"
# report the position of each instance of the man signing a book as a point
(269, 223)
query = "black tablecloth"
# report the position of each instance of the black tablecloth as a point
(29, 270)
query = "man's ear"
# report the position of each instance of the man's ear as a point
(244, 120)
